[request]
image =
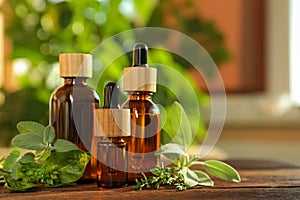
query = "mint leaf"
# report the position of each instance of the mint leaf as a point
(31, 127)
(26, 158)
(222, 170)
(178, 126)
(171, 151)
(48, 135)
(29, 141)
(62, 145)
(11, 160)
(17, 185)
(70, 166)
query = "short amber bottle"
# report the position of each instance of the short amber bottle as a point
(72, 105)
(112, 127)
(140, 83)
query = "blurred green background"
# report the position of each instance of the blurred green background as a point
(38, 30)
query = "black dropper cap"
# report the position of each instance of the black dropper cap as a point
(111, 95)
(140, 55)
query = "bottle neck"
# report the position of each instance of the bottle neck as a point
(75, 80)
(139, 95)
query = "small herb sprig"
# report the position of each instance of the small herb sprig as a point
(180, 175)
(52, 163)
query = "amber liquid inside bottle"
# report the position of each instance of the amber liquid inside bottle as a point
(71, 115)
(145, 134)
(112, 163)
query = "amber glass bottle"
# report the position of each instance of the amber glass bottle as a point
(140, 83)
(112, 129)
(72, 106)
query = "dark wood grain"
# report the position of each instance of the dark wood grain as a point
(279, 181)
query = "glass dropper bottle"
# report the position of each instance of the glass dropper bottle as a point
(112, 130)
(140, 84)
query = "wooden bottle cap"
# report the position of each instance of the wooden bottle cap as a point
(112, 122)
(76, 65)
(139, 79)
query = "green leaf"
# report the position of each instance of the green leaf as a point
(171, 151)
(29, 141)
(31, 127)
(3, 173)
(49, 135)
(222, 170)
(14, 170)
(11, 160)
(203, 178)
(165, 138)
(144, 10)
(70, 165)
(45, 154)
(62, 145)
(180, 127)
(26, 158)
(194, 177)
(17, 185)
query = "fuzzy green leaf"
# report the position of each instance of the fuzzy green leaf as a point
(203, 178)
(171, 151)
(29, 141)
(62, 145)
(222, 170)
(11, 160)
(26, 158)
(194, 177)
(48, 135)
(31, 127)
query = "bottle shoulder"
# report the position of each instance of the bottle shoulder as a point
(67, 92)
(147, 105)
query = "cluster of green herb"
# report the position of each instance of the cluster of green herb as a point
(181, 176)
(176, 137)
(51, 163)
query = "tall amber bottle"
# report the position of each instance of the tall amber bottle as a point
(72, 105)
(140, 83)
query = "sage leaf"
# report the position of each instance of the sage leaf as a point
(11, 160)
(62, 145)
(70, 166)
(171, 151)
(48, 135)
(26, 158)
(29, 141)
(203, 178)
(31, 127)
(222, 170)
(180, 129)
(195, 177)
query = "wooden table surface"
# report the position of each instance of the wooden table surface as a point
(260, 180)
